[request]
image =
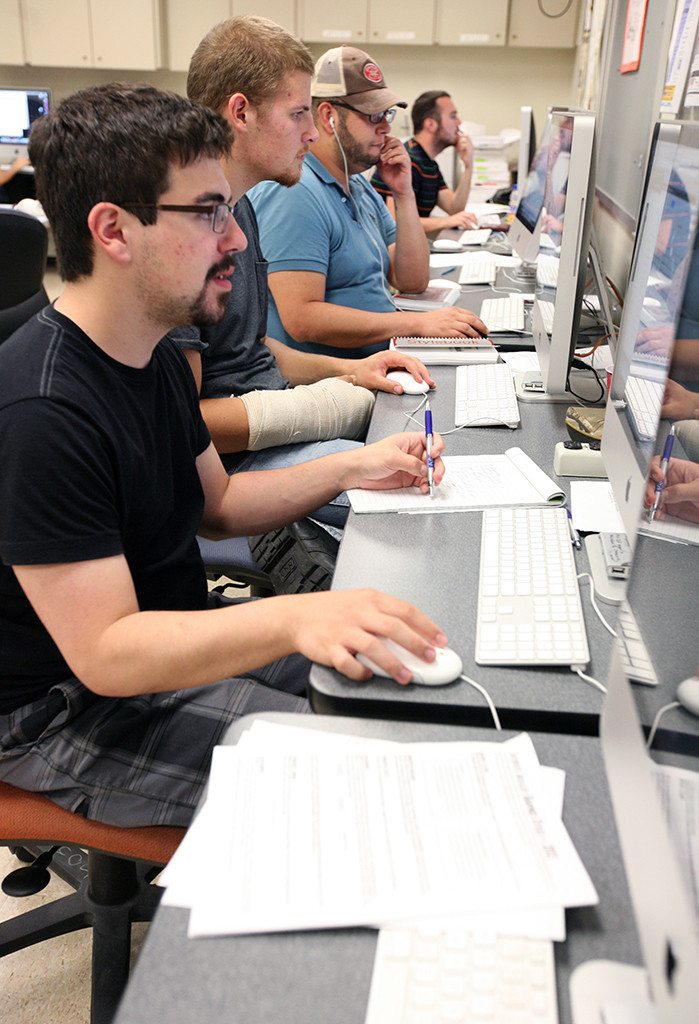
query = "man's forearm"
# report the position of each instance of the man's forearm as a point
(306, 367)
(411, 255)
(323, 323)
(227, 421)
(461, 194)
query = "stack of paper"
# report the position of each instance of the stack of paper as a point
(305, 829)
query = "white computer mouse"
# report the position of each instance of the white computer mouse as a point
(408, 382)
(445, 668)
(688, 694)
(446, 245)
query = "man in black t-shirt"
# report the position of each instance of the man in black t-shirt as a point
(116, 680)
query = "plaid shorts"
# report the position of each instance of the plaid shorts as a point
(139, 760)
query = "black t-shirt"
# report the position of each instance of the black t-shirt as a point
(96, 459)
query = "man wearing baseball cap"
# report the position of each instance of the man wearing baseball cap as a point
(333, 248)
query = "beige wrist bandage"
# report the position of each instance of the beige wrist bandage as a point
(309, 412)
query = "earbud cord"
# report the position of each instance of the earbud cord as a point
(360, 219)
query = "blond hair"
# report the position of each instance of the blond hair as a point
(246, 54)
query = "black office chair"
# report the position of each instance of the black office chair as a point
(23, 248)
(232, 560)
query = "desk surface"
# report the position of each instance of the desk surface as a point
(433, 562)
(323, 977)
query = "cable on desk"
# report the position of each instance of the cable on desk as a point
(410, 416)
(482, 690)
(589, 679)
(600, 616)
(656, 722)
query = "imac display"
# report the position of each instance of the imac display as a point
(527, 146)
(660, 293)
(19, 108)
(525, 229)
(565, 220)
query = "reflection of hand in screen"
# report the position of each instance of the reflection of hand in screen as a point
(658, 340)
(680, 495)
(679, 403)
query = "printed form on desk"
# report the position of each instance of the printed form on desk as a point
(306, 830)
(470, 482)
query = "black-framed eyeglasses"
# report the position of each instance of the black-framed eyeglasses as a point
(217, 212)
(373, 118)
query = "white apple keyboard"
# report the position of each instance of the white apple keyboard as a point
(445, 668)
(504, 314)
(475, 236)
(430, 975)
(478, 270)
(485, 396)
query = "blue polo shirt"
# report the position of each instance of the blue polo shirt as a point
(314, 226)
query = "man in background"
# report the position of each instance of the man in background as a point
(267, 405)
(436, 127)
(332, 246)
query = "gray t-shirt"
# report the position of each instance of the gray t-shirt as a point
(234, 359)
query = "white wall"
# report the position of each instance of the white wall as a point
(488, 84)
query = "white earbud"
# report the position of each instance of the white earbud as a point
(332, 122)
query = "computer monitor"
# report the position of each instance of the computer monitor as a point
(662, 283)
(19, 108)
(525, 228)
(565, 224)
(527, 146)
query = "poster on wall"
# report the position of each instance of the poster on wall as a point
(692, 97)
(633, 35)
(681, 56)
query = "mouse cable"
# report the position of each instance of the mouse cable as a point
(482, 690)
(600, 616)
(656, 722)
(588, 679)
(410, 416)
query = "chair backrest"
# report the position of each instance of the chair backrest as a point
(23, 248)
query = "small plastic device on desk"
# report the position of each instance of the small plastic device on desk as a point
(445, 668)
(407, 381)
(577, 458)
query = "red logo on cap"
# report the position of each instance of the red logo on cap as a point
(372, 73)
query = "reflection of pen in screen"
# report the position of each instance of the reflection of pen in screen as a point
(667, 452)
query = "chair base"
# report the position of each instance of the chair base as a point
(114, 894)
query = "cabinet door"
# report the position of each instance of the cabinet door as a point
(333, 22)
(187, 24)
(471, 22)
(11, 43)
(530, 27)
(412, 22)
(126, 34)
(281, 11)
(57, 33)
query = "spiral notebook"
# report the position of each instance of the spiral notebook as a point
(470, 482)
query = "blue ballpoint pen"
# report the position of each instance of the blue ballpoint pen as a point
(574, 535)
(428, 440)
(667, 452)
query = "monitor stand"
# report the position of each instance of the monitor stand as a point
(606, 992)
(607, 590)
(525, 273)
(530, 388)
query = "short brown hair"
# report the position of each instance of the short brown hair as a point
(246, 54)
(114, 143)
